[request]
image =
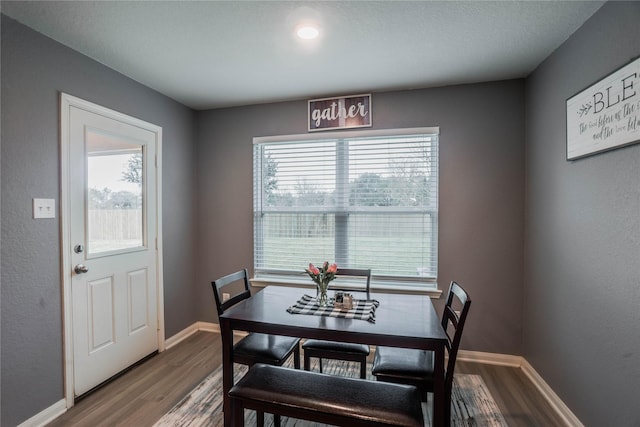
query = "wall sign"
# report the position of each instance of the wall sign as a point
(340, 113)
(606, 115)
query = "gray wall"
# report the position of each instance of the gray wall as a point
(481, 197)
(574, 319)
(34, 70)
(582, 291)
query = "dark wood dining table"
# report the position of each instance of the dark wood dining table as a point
(401, 320)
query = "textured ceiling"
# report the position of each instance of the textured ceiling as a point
(210, 54)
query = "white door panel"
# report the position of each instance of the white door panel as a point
(100, 314)
(138, 301)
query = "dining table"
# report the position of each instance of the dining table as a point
(400, 320)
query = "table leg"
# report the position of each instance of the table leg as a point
(227, 370)
(439, 398)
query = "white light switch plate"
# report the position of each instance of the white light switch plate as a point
(44, 208)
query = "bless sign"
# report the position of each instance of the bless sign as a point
(340, 113)
(606, 115)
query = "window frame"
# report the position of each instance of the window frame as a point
(378, 283)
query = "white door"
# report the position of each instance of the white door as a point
(113, 253)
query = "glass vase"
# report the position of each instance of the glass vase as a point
(321, 296)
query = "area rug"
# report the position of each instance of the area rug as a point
(472, 404)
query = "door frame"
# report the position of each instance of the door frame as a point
(66, 102)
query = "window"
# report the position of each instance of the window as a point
(366, 199)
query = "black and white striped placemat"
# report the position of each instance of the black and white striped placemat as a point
(362, 309)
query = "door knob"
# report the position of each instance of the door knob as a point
(79, 269)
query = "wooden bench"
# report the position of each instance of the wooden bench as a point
(325, 398)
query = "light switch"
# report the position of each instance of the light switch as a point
(44, 208)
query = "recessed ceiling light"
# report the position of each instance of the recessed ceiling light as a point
(308, 32)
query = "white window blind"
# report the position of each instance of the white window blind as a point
(360, 199)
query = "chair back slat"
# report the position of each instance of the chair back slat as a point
(358, 285)
(220, 284)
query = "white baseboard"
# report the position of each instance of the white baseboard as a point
(180, 336)
(45, 417)
(190, 330)
(490, 358)
(554, 400)
(561, 409)
(208, 327)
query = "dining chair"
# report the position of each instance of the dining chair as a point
(255, 347)
(416, 367)
(338, 350)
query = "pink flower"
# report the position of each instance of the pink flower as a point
(313, 269)
(323, 275)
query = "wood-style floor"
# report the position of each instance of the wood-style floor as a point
(144, 394)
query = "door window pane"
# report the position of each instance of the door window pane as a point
(115, 202)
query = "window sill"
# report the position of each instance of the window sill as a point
(262, 282)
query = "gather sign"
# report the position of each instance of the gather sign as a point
(340, 113)
(606, 115)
